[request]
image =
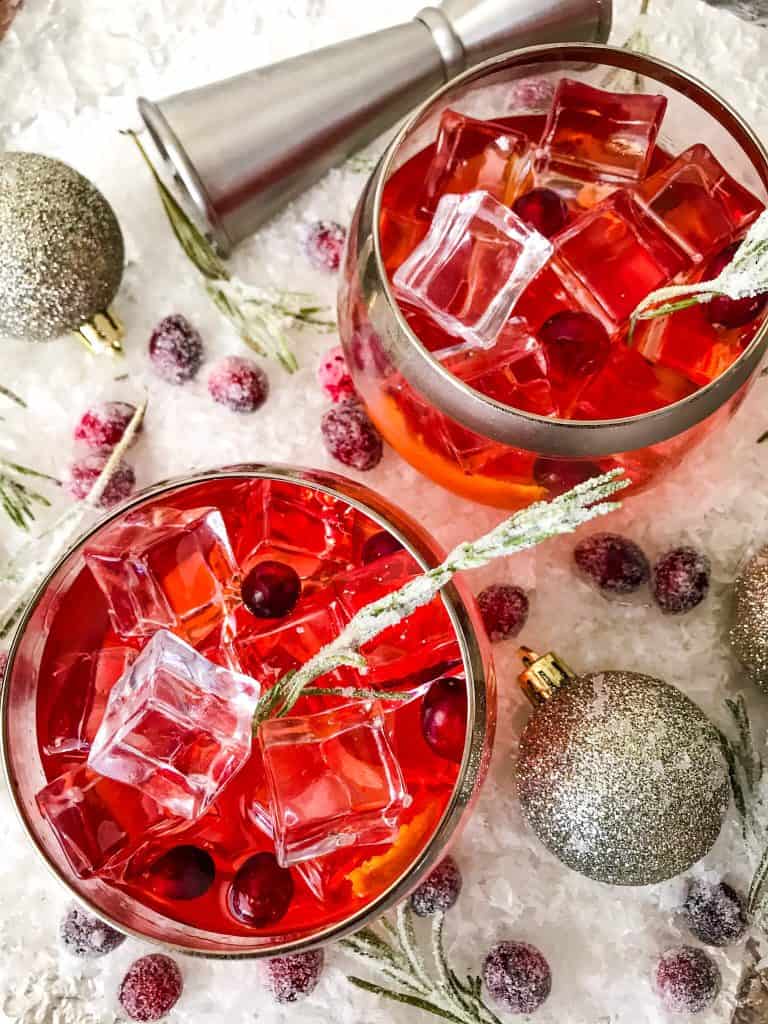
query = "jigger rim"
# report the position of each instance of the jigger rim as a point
(493, 419)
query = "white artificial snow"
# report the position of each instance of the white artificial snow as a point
(69, 73)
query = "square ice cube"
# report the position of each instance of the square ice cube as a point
(475, 155)
(472, 266)
(698, 203)
(164, 568)
(333, 781)
(592, 134)
(628, 385)
(177, 726)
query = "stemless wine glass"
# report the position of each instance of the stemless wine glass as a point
(29, 667)
(461, 438)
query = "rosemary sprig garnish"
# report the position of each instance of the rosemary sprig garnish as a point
(522, 530)
(261, 316)
(12, 396)
(17, 498)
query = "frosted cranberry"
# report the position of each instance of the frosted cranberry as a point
(261, 891)
(325, 244)
(542, 209)
(103, 425)
(86, 935)
(271, 590)
(614, 563)
(83, 474)
(686, 979)
(333, 375)
(176, 349)
(350, 436)
(439, 891)
(290, 978)
(239, 384)
(444, 718)
(151, 988)
(715, 914)
(725, 312)
(681, 580)
(576, 345)
(517, 976)
(183, 873)
(379, 545)
(504, 609)
(560, 475)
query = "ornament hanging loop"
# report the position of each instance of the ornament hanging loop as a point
(543, 676)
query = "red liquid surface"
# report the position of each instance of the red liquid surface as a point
(303, 527)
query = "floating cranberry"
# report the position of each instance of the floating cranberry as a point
(686, 979)
(176, 349)
(183, 873)
(102, 426)
(239, 384)
(333, 375)
(715, 913)
(271, 590)
(444, 718)
(517, 976)
(576, 346)
(725, 312)
(614, 563)
(293, 977)
(542, 209)
(439, 891)
(325, 244)
(504, 609)
(261, 891)
(350, 436)
(86, 935)
(560, 475)
(83, 474)
(681, 580)
(379, 545)
(151, 987)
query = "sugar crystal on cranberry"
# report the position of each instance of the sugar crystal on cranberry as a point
(334, 376)
(325, 244)
(350, 436)
(612, 562)
(176, 349)
(715, 913)
(103, 425)
(681, 580)
(151, 987)
(517, 976)
(504, 609)
(439, 891)
(87, 936)
(84, 472)
(293, 977)
(239, 384)
(686, 979)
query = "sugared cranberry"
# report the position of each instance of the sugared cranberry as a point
(271, 590)
(261, 891)
(83, 474)
(576, 345)
(715, 914)
(614, 563)
(86, 935)
(239, 384)
(176, 349)
(517, 976)
(439, 891)
(151, 988)
(325, 244)
(333, 375)
(350, 436)
(681, 580)
(183, 873)
(103, 425)
(379, 545)
(542, 209)
(290, 978)
(686, 979)
(504, 609)
(560, 475)
(725, 312)
(444, 718)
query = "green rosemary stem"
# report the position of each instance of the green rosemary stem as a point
(404, 997)
(357, 693)
(12, 396)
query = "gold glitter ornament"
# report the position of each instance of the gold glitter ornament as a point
(749, 624)
(620, 775)
(61, 253)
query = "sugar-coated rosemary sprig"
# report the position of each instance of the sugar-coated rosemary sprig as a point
(261, 316)
(522, 530)
(744, 277)
(17, 498)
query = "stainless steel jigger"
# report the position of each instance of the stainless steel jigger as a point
(244, 147)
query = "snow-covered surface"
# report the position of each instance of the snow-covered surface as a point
(69, 72)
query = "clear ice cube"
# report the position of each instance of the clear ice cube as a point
(177, 726)
(471, 268)
(164, 568)
(333, 781)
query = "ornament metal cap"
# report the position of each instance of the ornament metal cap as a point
(244, 147)
(102, 333)
(543, 676)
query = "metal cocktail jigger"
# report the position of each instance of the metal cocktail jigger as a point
(244, 147)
